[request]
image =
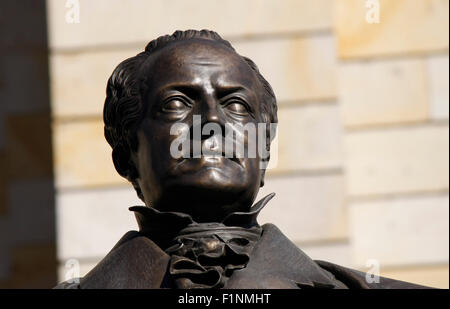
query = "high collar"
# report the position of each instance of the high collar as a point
(136, 262)
(162, 227)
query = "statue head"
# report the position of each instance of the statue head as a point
(159, 101)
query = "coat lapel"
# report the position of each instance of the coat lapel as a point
(277, 263)
(135, 262)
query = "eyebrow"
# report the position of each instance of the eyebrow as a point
(193, 90)
(190, 90)
(224, 91)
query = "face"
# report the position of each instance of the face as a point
(207, 80)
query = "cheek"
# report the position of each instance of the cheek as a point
(252, 171)
(154, 150)
(144, 158)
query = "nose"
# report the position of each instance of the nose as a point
(211, 110)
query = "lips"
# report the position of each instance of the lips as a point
(215, 157)
(210, 150)
(218, 158)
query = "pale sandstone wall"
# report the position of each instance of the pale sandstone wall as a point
(363, 137)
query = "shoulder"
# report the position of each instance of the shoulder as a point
(321, 273)
(134, 262)
(355, 279)
(69, 284)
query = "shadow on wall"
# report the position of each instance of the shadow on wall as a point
(27, 206)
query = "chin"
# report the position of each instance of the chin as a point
(210, 182)
(208, 199)
(221, 175)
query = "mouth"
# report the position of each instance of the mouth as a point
(211, 151)
(217, 159)
(214, 156)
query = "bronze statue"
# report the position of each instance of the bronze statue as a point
(199, 228)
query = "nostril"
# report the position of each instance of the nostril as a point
(213, 145)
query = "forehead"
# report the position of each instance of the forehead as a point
(199, 61)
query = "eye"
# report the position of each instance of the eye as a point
(237, 107)
(175, 104)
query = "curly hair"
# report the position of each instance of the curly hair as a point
(124, 108)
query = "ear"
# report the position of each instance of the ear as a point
(123, 164)
(263, 174)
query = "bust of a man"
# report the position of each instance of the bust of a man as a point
(190, 123)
